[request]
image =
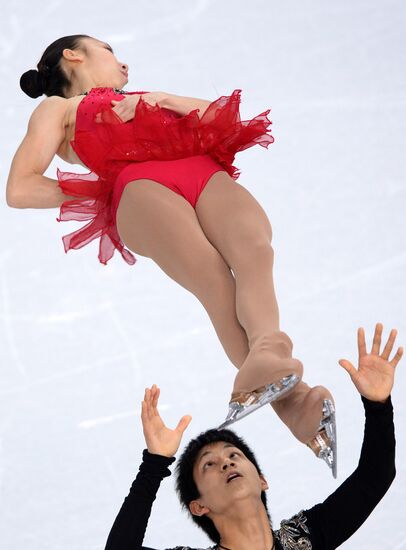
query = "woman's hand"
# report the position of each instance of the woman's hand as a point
(375, 375)
(125, 108)
(160, 440)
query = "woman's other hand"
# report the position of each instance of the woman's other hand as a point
(374, 377)
(160, 440)
(125, 108)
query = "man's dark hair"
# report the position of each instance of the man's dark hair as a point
(185, 485)
(49, 78)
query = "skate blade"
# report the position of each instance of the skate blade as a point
(274, 391)
(328, 452)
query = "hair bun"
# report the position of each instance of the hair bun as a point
(32, 83)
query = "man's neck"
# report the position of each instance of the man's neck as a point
(245, 528)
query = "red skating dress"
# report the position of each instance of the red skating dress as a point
(117, 152)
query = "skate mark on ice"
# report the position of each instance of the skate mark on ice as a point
(93, 422)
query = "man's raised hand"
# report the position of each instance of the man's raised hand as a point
(375, 374)
(160, 440)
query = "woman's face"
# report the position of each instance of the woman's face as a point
(218, 489)
(99, 63)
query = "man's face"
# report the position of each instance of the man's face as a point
(223, 475)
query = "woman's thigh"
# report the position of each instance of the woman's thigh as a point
(233, 220)
(155, 222)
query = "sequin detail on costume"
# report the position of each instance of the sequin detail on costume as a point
(115, 90)
(292, 533)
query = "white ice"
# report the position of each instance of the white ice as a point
(80, 341)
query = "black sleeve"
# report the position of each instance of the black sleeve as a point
(130, 525)
(344, 511)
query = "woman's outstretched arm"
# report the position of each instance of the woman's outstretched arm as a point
(125, 108)
(27, 187)
(183, 105)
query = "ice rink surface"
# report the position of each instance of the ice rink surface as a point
(81, 341)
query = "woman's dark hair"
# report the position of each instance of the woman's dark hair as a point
(185, 485)
(50, 79)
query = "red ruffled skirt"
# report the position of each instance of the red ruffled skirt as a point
(154, 133)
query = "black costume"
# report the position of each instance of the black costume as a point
(323, 527)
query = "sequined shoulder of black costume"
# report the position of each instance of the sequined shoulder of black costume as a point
(293, 533)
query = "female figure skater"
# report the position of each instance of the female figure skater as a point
(221, 485)
(162, 184)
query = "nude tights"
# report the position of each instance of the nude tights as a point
(221, 252)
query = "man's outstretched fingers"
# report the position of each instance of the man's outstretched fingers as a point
(377, 338)
(362, 347)
(155, 400)
(389, 344)
(149, 403)
(349, 367)
(397, 357)
(183, 423)
(145, 416)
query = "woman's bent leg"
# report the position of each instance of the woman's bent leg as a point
(238, 227)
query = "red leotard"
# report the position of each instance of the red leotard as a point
(180, 152)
